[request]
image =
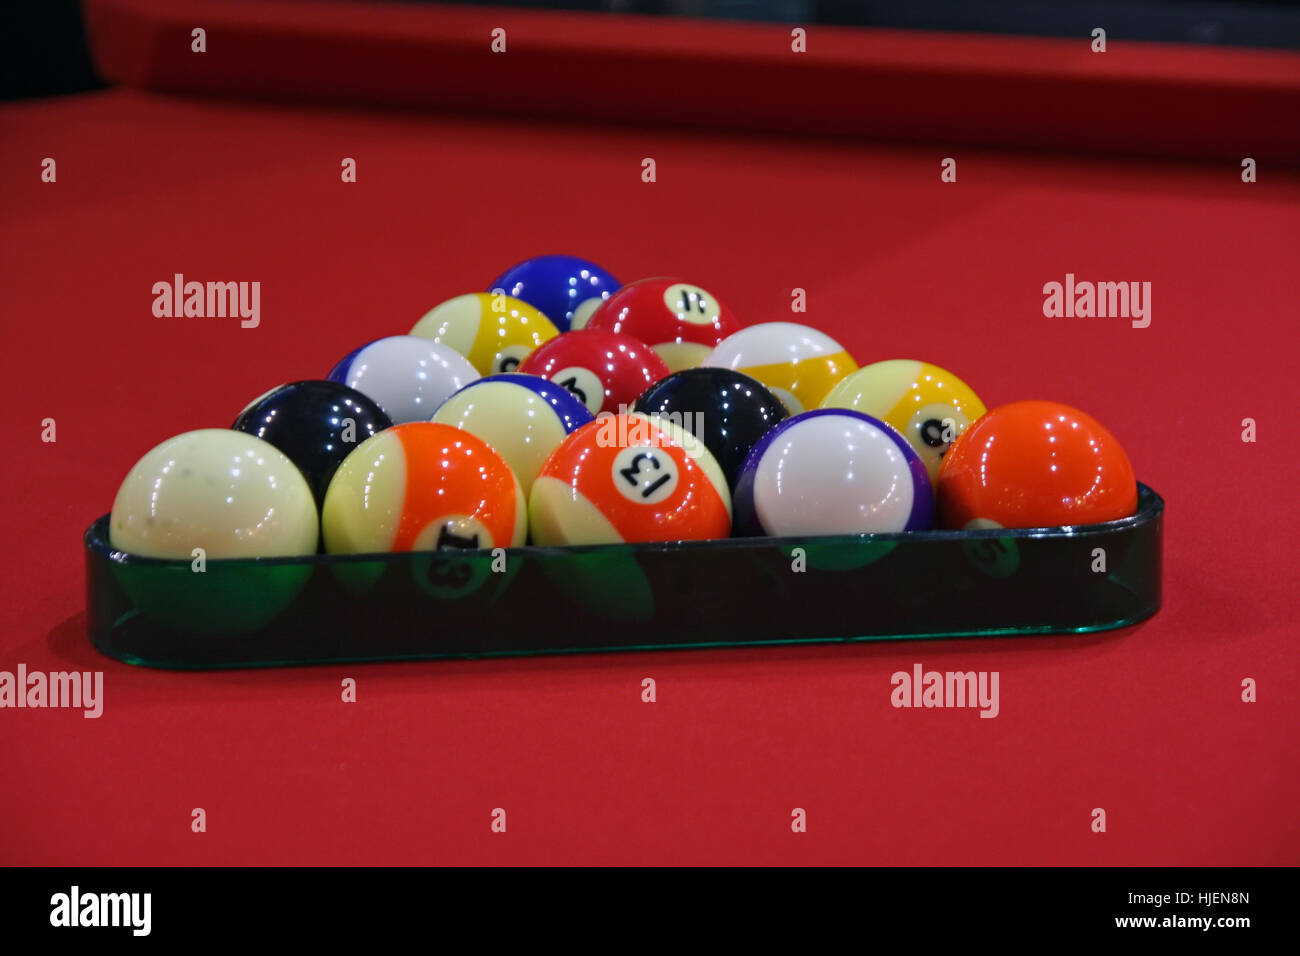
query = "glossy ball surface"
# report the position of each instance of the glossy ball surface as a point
(1035, 465)
(604, 370)
(408, 376)
(832, 471)
(233, 495)
(523, 417)
(423, 487)
(728, 411)
(494, 332)
(799, 364)
(681, 321)
(629, 478)
(564, 288)
(315, 424)
(928, 404)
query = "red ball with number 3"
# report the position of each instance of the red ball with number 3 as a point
(603, 369)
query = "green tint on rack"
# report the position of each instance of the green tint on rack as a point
(741, 591)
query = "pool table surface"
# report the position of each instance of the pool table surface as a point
(170, 173)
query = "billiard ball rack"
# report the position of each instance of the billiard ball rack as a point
(533, 600)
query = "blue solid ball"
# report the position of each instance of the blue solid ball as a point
(561, 287)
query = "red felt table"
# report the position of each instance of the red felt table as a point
(225, 166)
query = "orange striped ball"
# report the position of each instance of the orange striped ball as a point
(419, 487)
(629, 478)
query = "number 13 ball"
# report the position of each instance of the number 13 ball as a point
(629, 478)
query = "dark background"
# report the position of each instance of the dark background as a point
(43, 46)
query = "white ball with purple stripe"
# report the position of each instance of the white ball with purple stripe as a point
(407, 376)
(832, 471)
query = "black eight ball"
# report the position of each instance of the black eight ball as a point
(315, 424)
(727, 410)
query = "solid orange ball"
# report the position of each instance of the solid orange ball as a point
(1034, 465)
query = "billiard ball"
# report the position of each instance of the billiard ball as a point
(1035, 464)
(605, 370)
(423, 486)
(832, 471)
(565, 289)
(408, 376)
(316, 424)
(799, 364)
(227, 492)
(727, 410)
(493, 331)
(629, 478)
(679, 320)
(523, 417)
(232, 495)
(928, 404)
